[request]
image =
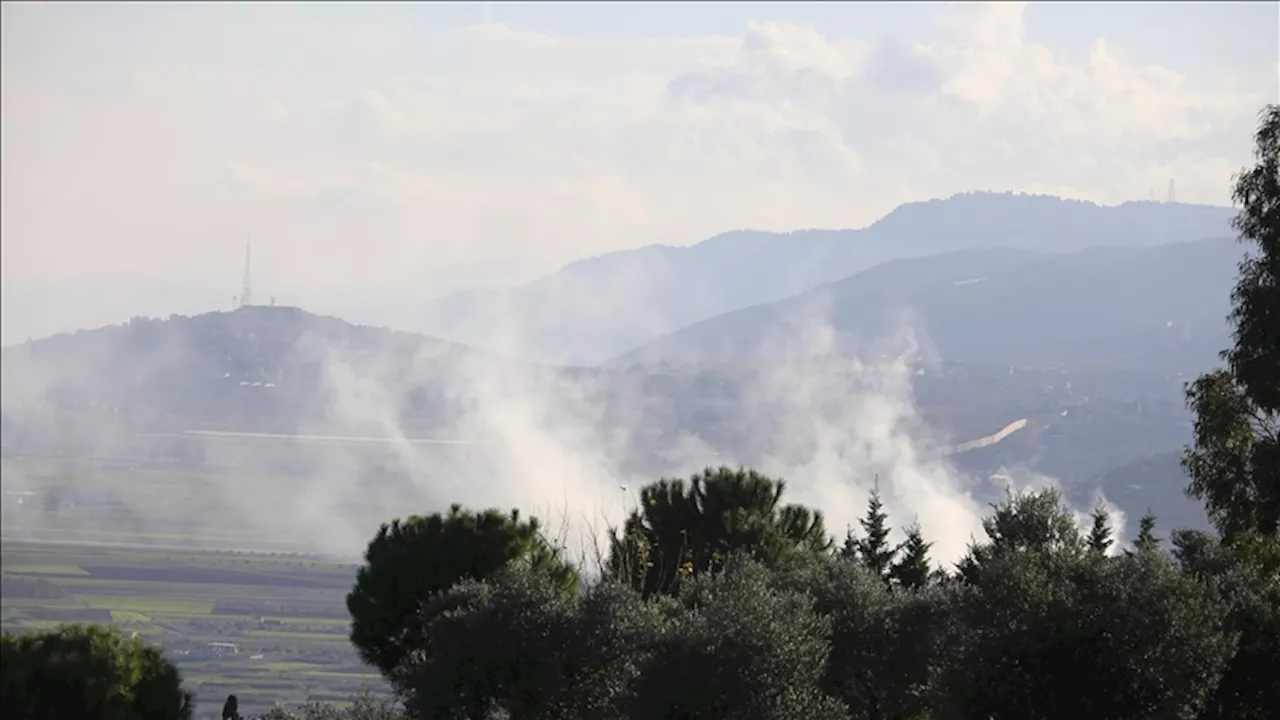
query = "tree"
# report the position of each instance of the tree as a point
(409, 561)
(739, 646)
(1255, 359)
(231, 708)
(1146, 541)
(912, 570)
(1066, 635)
(1234, 461)
(1099, 540)
(1035, 523)
(873, 549)
(683, 530)
(515, 646)
(83, 671)
(1248, 584)
(884, 643)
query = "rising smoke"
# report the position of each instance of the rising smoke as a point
(830, 414)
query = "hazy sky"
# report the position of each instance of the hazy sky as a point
(365, 145)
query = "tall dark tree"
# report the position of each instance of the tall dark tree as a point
(231, 708)
(1234, 462)
(1100, 540)
(873, 549)
(680, 530)
(912, 570)
(1146, 540)
(409, 561)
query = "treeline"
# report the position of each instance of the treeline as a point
(719, 602)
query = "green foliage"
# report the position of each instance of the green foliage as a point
(680, 531)
(1034, 523)
(1039, 624)
(1099, 540)
(733, 644)
(517, 645)
(1146, 541)
(409, 561)
(1234, 462)
(1255, 359)
(884, 642)
(1075, 636)
(741, 648)
(88, 671)
(1244, 574)
(873, 549)
(364, 706)
(912, 570)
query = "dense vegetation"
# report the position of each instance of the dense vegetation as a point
(717, 600)
(88, 671)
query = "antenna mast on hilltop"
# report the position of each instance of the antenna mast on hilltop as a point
(246, 287)
(1173, 196)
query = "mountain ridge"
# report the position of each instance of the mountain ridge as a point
(594, 309)
(971, 299)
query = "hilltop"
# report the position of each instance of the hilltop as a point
(258, 367)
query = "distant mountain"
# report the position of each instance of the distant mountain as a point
(594, 309)
(1159, 308)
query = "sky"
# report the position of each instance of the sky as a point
(420, 147)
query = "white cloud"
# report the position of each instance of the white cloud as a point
(416, 148)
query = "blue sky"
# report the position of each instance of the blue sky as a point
(375, 145)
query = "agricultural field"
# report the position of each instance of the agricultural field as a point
(268, 627)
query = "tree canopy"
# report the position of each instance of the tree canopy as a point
(680, 530)
(1234, 462)
(409, 561)
(88, 671)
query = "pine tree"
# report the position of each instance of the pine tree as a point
(849, 550)
(873, 550)
(1100, 534)
(1147, 540)
(912, 569)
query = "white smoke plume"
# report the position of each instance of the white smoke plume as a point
(832, 415)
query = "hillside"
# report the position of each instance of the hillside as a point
(597, 308)
(255, 368)
(379, 418)
(1160, 308)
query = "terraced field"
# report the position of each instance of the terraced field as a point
(269, 628)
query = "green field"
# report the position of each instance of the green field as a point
(286, 614)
